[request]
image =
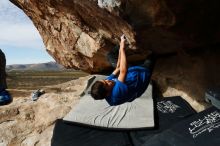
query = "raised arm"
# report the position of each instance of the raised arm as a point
(123, 60)
(117, 69)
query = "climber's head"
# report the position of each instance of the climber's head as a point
(102, 89)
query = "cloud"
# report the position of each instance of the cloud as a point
(20, 35)
(16, 29)
(11, 13)
(19, 39)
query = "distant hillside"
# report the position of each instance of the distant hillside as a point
(49, 66)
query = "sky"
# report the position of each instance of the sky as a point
(19, 39)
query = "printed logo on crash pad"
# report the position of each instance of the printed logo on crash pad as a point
(207, 124)
(167, 107)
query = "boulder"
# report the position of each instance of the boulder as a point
(185, 33)
(30, 123)
(78, 34)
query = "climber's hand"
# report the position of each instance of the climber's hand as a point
(123, 39)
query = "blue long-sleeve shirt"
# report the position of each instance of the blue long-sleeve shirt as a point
(136, 82)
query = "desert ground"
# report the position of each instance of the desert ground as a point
(23, 83)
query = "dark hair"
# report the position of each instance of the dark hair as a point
(98, 90)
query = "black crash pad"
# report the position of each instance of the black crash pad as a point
(169, 111)
(202, 129)
(76, 135)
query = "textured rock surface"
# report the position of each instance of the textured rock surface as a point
(192, 73)
(76, 33)
(3, 84)
(28, 123)
(79, 34)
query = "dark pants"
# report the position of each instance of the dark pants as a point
(113, 58)
(3, 84)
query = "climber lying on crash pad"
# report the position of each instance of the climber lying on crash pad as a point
(125, 83)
